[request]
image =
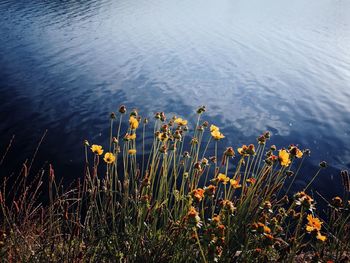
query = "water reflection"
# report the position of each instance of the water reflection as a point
(257, 65)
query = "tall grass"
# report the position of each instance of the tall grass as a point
(171, 201)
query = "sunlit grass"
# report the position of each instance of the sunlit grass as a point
(172, 201)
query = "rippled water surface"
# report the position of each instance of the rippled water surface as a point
(275, 65)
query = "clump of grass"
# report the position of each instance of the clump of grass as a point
(173, 202)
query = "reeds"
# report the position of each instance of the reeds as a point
(174, 200)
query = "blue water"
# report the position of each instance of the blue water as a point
(275, 65)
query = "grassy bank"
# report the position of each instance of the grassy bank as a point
(176, 203)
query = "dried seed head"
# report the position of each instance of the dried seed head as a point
(323, 164)
(201, 109)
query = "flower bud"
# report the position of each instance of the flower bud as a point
(157, 115)
(122, 109)
(229, 152)
(267, 135)
(112, 116)
(307, 152)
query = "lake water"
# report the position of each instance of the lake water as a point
(275, 65)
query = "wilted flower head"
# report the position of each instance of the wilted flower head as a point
(210, 190)
(213, 159)
(163, 149)
(261, 139)
(162, 116)
(204, 161)
(271, 159)
(193, 218)
(295, 151)
(243, 150)
(229, 152)
(201, 109)
(250, 149)
(302, 199)
(337, 201)
(122, 109)
(227, 205)
(194, 141)
(205, 124)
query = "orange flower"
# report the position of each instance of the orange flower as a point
(313, 224)
(198, 194)
(235, 184)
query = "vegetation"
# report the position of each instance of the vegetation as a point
(171, 202)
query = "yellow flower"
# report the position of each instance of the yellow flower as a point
(132, 151)
(134, 123)
(214, 128)
(321, 237)
(109, 158)
(313, 224)
(217, 135)
(180, 122)
(223, 178)
(284, 157)
(97, 149)
(235, 184)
